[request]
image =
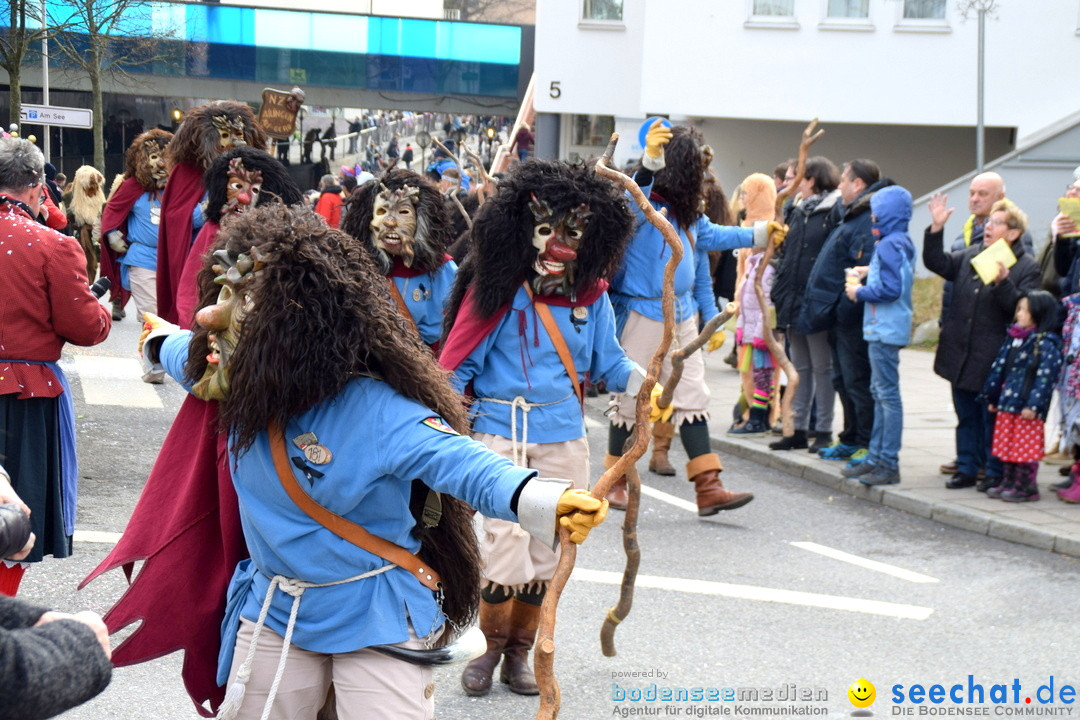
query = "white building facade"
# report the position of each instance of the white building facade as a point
(891, 80)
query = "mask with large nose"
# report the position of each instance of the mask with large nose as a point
(557, 239)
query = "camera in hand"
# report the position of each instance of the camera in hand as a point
(14, 529)
(100, 287)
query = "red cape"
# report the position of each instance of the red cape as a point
(182, 193)
(399, 269)
(186, 526)
(114, 217)
(470, 329)
(187, 292)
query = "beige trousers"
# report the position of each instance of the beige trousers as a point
(143, 290)
(368, 684)
(510, 556)
(640, 338)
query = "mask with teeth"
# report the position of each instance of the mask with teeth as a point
(393, 222)
(224, 320)
(230, 131)
(557, 238)
(242, 189)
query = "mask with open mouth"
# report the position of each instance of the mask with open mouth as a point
(393, 222)
(242, 189)
(557, 239)
(224, 320)
(230, 131)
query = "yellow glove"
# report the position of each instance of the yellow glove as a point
(777, 232)
(579, 512)
(152, 322)
(657, 413)
(716, 340)
(657, 137)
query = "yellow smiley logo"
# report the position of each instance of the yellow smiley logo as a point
(861, 693)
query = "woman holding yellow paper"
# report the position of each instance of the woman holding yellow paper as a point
(975, 327)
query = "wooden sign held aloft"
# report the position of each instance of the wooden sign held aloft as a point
(277, 116)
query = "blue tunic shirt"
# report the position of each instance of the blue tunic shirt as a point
(380, 442)
(425, 295)
(518, 358)
(638, 284)
(142, 233)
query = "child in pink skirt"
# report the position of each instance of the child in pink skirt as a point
(1018, 389)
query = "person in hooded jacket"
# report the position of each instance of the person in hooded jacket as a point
(810, 223)
(851, 244)
(975, 327)
(886, 328)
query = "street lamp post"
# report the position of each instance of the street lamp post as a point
(982, 7)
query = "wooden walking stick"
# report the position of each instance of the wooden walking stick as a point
(457, 186)
(544, 659)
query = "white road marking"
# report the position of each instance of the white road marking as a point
(760, 594)
(114, 381)
(96, 536)
(864, 563)
(669, 499)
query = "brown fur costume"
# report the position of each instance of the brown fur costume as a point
(136, 158)
(276, 181)
(319, 290)
(84, 206)
(434, 230)
(196, 141)
(501, 254)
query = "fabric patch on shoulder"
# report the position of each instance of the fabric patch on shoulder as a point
(437, 423)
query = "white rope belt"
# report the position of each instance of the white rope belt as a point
(519, 403)
(234, 697)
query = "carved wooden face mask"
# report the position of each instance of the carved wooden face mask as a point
(224, 320)
(393, 222)
(242, 189)
(230, 131)
(557, 239)
(155, 160)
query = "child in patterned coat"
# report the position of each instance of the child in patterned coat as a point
(1018, 389)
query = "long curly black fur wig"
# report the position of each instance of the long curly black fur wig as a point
(276, 181)
(434, 228)
(681, 182)
(501, 253)
(321, 314)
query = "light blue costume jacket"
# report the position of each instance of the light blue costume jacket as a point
(425, 295)
(638, 284)
(380, 443)
(518, 358)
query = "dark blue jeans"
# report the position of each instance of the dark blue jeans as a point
(974, 433)
(851, 378)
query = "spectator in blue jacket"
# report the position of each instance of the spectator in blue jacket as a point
(887, 328)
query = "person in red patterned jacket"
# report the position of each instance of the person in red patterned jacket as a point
(45, 302)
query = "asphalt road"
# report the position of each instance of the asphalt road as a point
(725, 602)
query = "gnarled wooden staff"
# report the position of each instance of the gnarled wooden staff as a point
(544, 660)
(485, 187)
(775, 344)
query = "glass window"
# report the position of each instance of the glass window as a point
(774, 7)
(849, 8)
(924, 9)
(592, 130)
(602, 10)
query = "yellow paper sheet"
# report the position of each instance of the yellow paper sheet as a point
(1070, 207)
(986, 262)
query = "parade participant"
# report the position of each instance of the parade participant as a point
(528, 321)
(84, 202)
(402, 223)
(207, 131)
(235, 182)
(45, 302)
(346, 431)
(129, 227)
(673, 180)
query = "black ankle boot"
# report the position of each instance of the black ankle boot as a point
(822, 440)
(791, 442)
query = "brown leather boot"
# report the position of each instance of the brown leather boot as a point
(662, 433)
(617, 496)
(515, 671)
(495, 622)
(704, 472)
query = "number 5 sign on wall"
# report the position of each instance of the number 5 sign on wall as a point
(555, 91)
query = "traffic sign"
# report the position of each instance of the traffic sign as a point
(53, 115)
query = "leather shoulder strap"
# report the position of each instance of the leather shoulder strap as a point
(401, 306)
(343, 528)
(544, 313)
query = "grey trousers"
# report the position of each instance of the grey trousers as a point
(812, 358)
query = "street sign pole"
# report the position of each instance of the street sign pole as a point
(47, 146)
